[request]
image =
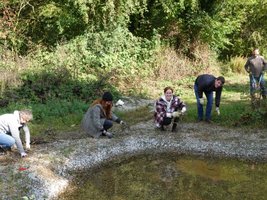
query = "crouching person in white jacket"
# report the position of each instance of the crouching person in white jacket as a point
(10, 125)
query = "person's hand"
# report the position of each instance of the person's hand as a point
(183, 110)
(218, 110)
(176, 114)
(122, 123)
(169, 115)
(23, 154)
(28, 146)
(201, 101)
(108, 134)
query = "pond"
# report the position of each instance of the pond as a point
(168, 176)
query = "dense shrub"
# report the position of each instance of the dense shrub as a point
(237, 64)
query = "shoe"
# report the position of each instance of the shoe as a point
(174, 127)
(2, 151)
(209, 121)
(160, 128)
(109, 135)
(200, 120)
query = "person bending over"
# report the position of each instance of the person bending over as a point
(10, 126)
(207, 84)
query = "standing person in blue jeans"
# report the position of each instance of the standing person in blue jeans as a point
(255, 66)
(207, 84)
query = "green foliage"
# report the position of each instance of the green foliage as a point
(252, 32)
(119, 50)
(56, 20)
(75, 49)
(229, 27)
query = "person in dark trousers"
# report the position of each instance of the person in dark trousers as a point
(99, 117)
(255, 66)
(207, 84)
(168, 108)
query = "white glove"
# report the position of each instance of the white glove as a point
(218, 110)
(169, 115)
(122, 123)
(23, 154)
(183, 110)
(201, 101)
(28, 146)
(176, 114)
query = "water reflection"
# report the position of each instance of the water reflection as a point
(162, 177)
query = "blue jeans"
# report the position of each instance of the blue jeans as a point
(6, 141)
(107, 124)
(209, 96)
(262, 84)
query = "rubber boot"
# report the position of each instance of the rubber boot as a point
(162, 128)
(174, 124)
(174, 127)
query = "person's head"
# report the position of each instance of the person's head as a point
(168, 92)
(256, 52)
(219, 81)
(107, 99)
(25, 116)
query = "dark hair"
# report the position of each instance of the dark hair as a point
(168, 88)
(221, 78)
(107, 96)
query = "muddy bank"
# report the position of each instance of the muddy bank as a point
(50, 167)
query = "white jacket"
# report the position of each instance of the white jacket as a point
(10, 124)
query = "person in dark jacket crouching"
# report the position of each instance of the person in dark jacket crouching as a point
(168, 109)
(99, 117)
(207, 84)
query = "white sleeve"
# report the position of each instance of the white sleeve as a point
(16, 135)
(27, 134)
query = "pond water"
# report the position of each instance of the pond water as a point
(172, 177)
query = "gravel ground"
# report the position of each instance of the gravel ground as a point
(49, 168)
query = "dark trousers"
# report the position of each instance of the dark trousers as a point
(166, 121)
(107, 124)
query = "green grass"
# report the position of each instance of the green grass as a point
(57, 116)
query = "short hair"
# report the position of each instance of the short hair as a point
(256, 49)
(26, 114)
(168, 88)
(221, 78)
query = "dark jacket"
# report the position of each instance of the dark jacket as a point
(206, 83)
